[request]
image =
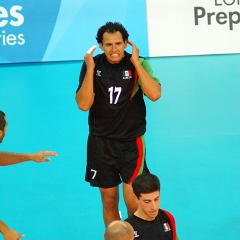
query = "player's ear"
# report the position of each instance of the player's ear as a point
(135, 198)
(101, 46)
(125, 43)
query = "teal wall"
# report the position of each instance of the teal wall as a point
(193, 145)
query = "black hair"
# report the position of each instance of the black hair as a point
(145, 183)
(2, 120)
(111, 27)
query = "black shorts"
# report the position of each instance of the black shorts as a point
(110, 162)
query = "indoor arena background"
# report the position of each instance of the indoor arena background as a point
(193, 145)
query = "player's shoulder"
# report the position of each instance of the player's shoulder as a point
(131, 218)
(98, 57)
(166, 215)
(165, 212)
(143, 60)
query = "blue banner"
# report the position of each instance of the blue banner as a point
(63, 30)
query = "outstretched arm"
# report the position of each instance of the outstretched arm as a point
(8, 233)
(150, 87)
(14, 158)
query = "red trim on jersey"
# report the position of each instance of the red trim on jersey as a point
(173, 224)
(135, 82)
(140, 145)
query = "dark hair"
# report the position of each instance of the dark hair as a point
(2, 120)
(145, 183)
(111, 27)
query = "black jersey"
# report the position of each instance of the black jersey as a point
(118, 111)
(161, 228)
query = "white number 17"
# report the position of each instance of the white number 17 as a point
(116, 89)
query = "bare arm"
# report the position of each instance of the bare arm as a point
(8, 233)
(150, 87)
(85, 95)
(14, 158)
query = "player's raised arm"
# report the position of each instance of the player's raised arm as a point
(150, 87)
(85, 95)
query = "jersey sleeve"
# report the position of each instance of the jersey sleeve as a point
(148, 69)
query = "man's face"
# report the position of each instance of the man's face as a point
(3, 132)
(148, 205)
(113, 46)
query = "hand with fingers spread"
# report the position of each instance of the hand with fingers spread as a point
(7, 158)
(41, 156)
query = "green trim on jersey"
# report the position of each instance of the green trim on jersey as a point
(149, 70)
(143, 155)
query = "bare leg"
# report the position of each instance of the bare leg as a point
(110, 198)
(129, 199)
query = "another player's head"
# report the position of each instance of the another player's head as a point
(119, 230)
(146, 188)
(3, 125)
(112, 38)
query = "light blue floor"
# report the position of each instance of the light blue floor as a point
(193, 145)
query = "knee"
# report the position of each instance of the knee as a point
(110, 202)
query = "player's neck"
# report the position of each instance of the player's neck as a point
(139, 213)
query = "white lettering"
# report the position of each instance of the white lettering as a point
(17, 15)
(3, 14)
(11, 39)
(14, 12)
(21, 39)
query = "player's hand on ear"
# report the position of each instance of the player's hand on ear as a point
(135, 52)
(88, 58)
